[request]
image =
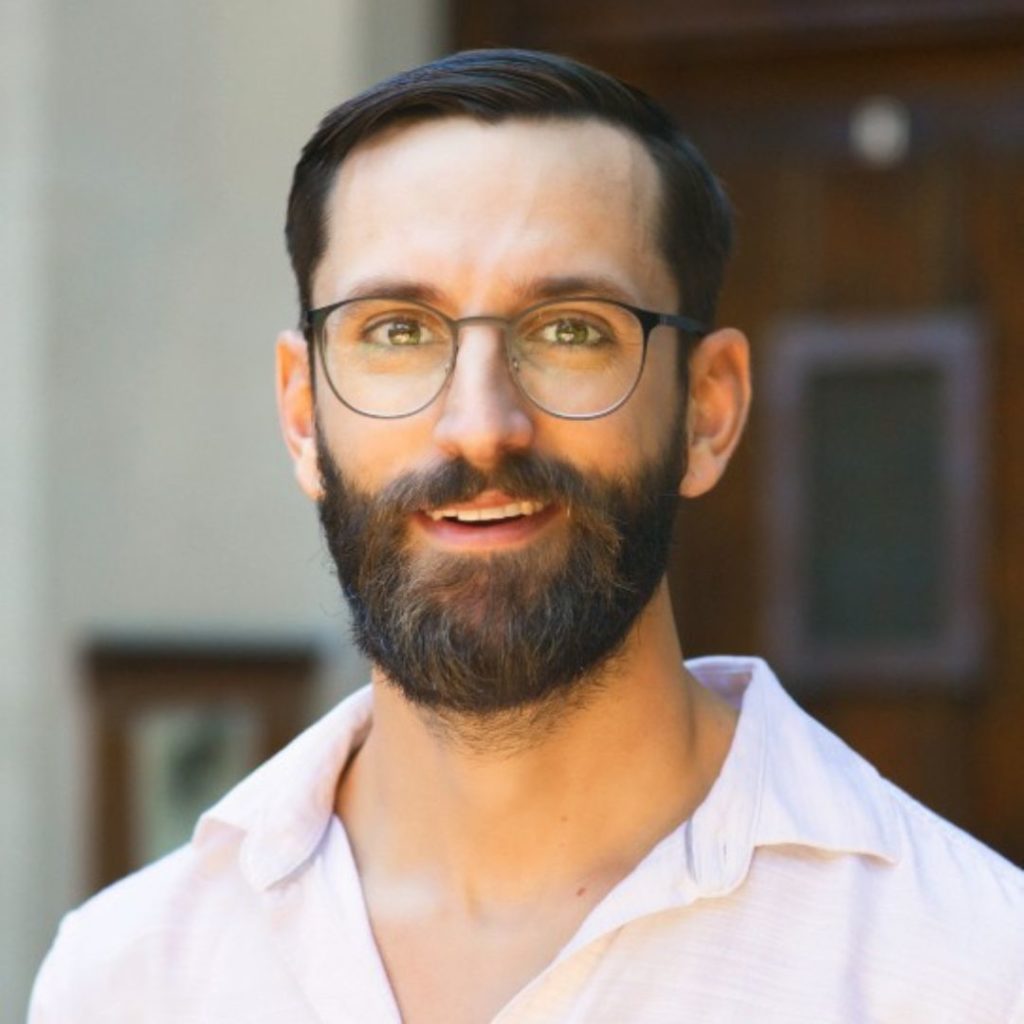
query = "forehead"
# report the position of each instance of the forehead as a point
(477, 211)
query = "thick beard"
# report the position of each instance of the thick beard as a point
(475, 637)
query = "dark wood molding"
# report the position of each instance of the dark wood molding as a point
(665, 30)
(953, 345)
(128, 679)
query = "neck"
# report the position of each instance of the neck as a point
(576, 793)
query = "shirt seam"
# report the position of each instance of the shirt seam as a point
(953, 836)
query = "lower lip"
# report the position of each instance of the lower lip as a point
(497, 534)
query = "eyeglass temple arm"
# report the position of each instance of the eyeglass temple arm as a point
(683, 323)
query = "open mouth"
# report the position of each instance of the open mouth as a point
(493, 522)
(515, 510)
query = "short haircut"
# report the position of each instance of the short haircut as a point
(694, 223)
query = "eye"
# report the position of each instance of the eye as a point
(572, 332)
(404, 332)
(398, 331)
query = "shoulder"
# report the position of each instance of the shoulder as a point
(950, 915)
(935, 930)
(870, 879)
(118, 946)
(948, 870)
(150, 939)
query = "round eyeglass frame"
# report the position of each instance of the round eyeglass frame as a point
(313, 321)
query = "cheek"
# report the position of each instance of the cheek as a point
(656, 405)
(609, 446)
(371, 452)
(637, 431)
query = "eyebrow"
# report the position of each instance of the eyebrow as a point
(597, 285)
(526, 291)
(395, 288)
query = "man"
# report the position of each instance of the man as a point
(508, 265)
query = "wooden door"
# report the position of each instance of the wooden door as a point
(826, 233)
(921, 220)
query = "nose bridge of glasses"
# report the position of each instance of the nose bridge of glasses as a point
(501, 328)
(481, 385)
(503, 324)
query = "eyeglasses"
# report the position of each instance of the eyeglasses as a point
(576, 358)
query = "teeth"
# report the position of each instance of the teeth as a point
(473, 515)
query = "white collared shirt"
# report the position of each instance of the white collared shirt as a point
(805, 888)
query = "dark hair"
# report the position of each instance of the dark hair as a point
(695, 231)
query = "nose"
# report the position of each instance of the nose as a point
(483, 417)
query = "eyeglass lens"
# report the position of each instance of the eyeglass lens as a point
(577, 357)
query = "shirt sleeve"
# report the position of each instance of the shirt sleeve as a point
(1017, 1016)
(50, 1001)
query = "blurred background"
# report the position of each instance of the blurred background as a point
(167, 618)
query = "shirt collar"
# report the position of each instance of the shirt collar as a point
(786, 780)
(283, 808)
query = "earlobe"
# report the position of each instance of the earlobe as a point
(296, 410)
(718, 407)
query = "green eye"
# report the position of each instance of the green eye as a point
(404, 332)
(572, 333)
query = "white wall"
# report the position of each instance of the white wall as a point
(23, 62)
(152, 149)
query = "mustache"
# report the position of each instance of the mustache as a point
(521, 476)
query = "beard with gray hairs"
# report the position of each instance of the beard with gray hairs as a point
(477, 636)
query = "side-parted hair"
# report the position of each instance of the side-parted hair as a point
(694, 226)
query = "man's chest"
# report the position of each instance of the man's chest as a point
(298, 954)
(446, 970)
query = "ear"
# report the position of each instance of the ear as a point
(296, 412)
(718, 407)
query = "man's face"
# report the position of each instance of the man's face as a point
(486, 615)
